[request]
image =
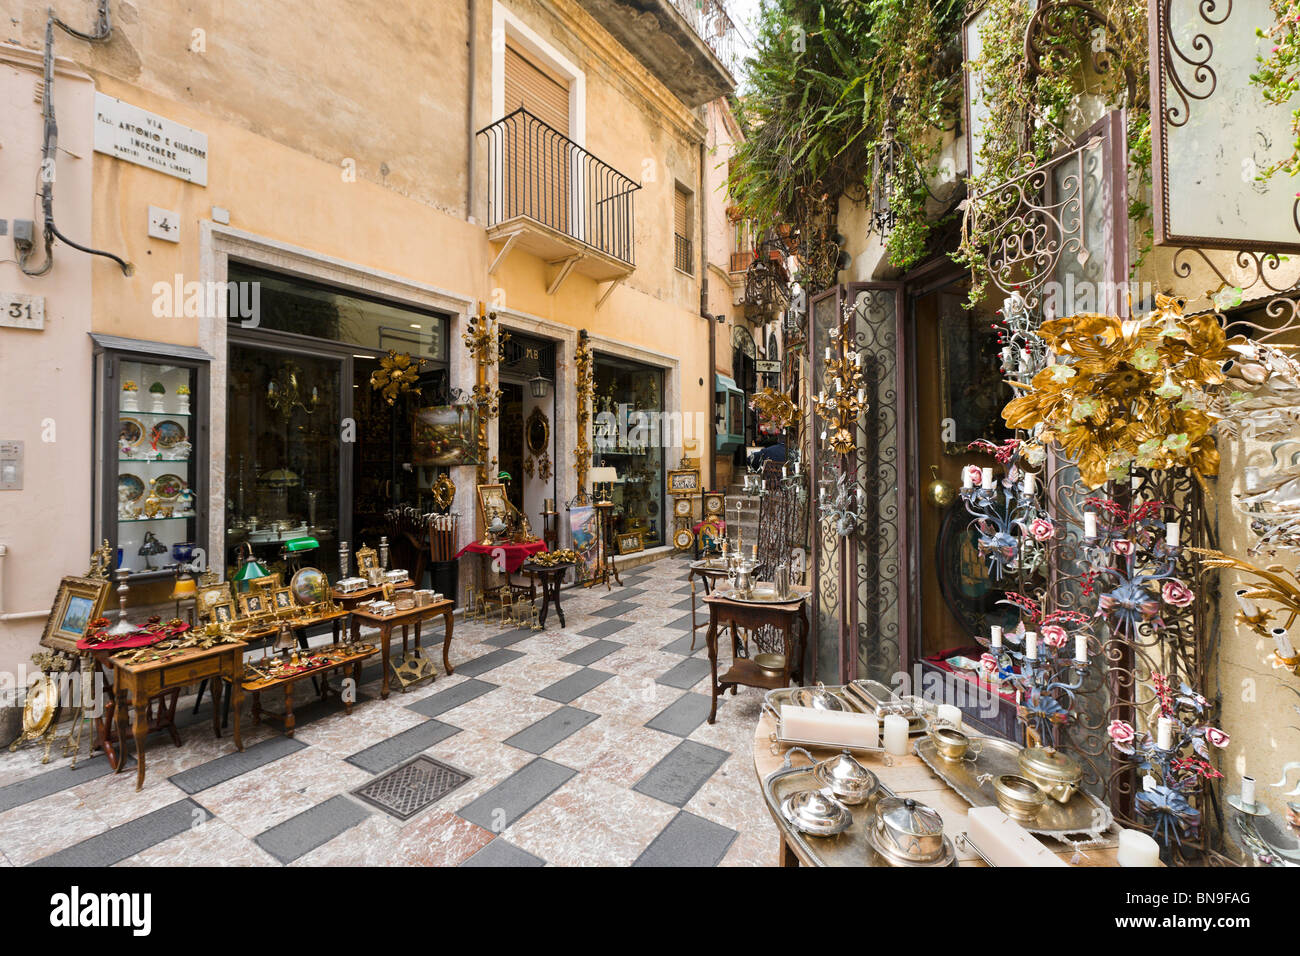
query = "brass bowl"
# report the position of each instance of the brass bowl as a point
(949, 743)
(771, 664)
(1019, 797)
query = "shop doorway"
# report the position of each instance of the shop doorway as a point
(526, 428)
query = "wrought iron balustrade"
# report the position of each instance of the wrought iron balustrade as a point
(712, 23)
(534, 171)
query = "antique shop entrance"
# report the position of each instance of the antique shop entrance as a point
(526, 430)
(312, 449)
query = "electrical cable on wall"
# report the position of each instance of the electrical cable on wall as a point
(103, 29)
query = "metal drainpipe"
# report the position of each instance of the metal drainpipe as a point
(708, 437)
(17, 615)
(469, 110)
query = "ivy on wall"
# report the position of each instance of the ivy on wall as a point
(823, 81)
(1278, 77)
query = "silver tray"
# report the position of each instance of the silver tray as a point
(1084, 814)
(773, 699)
(850, 848)
(760, 595)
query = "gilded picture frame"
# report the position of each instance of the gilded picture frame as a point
(683, 481)
(78, 601)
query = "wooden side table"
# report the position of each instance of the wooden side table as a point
(385, 624)
(552, 576)
(135, 684)
(790, 619)
(338, 662)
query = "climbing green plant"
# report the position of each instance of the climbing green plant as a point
(823, 81)
(1278, 77)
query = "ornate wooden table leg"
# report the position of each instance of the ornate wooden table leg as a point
(237, 693)
(217, 685)
(288, 708)
(140, 728)
(711, 639)
(446, 642)
(385, 635)
(120, 720)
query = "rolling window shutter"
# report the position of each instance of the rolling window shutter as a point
(536, 91)
(681, 213)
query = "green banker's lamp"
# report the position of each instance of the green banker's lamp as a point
(250, 569)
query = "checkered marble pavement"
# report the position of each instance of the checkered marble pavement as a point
(586, 746)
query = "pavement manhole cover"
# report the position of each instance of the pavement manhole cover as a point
(406, 790)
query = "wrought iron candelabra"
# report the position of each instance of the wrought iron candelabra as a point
(1045, 678)
(843, 405)
(1000, 509)
(845, 511)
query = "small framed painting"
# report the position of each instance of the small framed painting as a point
(630, 542)
(683, 481)
(77, 602)
(222, 613)
(282, 598)
(253, 602)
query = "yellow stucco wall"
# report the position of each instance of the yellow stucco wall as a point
(292, 96)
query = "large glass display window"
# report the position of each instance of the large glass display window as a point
(629, 433)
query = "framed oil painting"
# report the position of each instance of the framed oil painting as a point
(77, 602)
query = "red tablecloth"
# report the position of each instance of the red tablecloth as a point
(513, 555)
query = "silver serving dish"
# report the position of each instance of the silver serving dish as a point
(972, 779)
(818, 698)
(761, 594)
(907, 831)
(849, 781)
(816, 812)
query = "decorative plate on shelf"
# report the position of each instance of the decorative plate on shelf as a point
(130, 432)
(168, 433)
(168, 486)
(309, 586)
(129, 487)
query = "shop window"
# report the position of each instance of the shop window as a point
(630, 433)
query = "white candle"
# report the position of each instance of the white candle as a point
(1090, 524)
(1081, 648)
(1137, 849)
(896, 734)
(949, 714)
(1248, 791)
(967, 479)
(996, 641)
(834, 727)
(1031, 645)
(1248, 606)
(1164, 733)
(821, 493)
(1284, 648)
(986, 477)
(862, 395)
(1029, 484)
(1172, 534)
(858, 359)
(828, 353)
(821, 397)
(1004, 842)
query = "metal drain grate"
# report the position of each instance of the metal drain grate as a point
(406, 790)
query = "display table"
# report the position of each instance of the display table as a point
(340, 657)
(709, 575)
(135, 684)
(790, 619)
(385, 623)
(552, 576)
(512, 554)
(908, 777)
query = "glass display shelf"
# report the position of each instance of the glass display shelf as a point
(143, 411)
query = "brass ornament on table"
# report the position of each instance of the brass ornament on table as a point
(398, 374)
(1125, 391)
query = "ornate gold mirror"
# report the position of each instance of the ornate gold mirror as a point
(537, 433)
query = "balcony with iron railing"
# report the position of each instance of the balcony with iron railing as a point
(691, 46)
(549, 196)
